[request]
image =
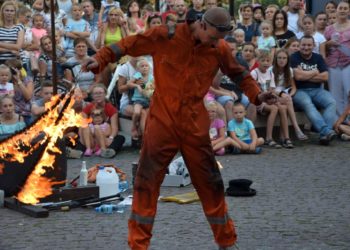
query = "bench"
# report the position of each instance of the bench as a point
(125, 122)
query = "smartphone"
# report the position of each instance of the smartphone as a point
(13, 71)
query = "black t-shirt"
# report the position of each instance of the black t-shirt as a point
(193, 15)
(283, 39)
(315, 62)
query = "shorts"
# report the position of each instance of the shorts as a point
(248, 141)
(224, 99)
(144, 104)
(245, 101)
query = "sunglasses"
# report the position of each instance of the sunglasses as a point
(220, 28)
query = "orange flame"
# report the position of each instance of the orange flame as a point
(37, 186)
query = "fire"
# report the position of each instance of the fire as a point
(60, 115)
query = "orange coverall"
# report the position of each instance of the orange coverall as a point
(178, 121)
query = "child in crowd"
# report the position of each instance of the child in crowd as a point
(38, 32)
(258, 14)
(331, 17)
(342, 125)
(100, 130)
(6, 87)
(10, 122)
(238, 34)
(243, 132)
(292, 45)
(285, 87)
(142, 84)
(266, 41)
(170, 19)
(46, 92)
(217, 131)
(76, 27)
(196, 12)
(266, 80)
(106, 6)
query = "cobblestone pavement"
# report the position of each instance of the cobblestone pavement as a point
(302, 202)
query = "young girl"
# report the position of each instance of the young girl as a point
(292, 45)
(141, 83)
(6, 87)
(242, 131)
(266, 81)
(217, 131)
(308, 25)
(266, 41)
(60, 16)
(38, 32)
(285, 87)
(10, 122)
(100, 130)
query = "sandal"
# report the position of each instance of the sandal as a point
(301, 136)
(272, 144)
(287, 143)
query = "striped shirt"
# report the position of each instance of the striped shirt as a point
(9, 35)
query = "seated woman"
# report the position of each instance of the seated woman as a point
(85, 80)
(10, 122)
(114, 142)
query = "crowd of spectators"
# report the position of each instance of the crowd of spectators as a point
(303, 60)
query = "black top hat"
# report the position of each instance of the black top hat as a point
(240, 187)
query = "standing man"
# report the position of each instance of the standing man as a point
(295, 15)
(184, 68)
(310, 72)
(181, 8)
(92, 18)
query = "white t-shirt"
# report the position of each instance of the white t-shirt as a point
(6, 89)
(293, 22)
(318, 37)
(265, 80)
(126, 70)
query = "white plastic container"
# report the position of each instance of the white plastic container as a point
(108, 181)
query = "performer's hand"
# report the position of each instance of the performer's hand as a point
(89, 64)
(268, 97)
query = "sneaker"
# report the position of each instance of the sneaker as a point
(326, 139)
(345, 137)
(88, 152)
(107, 153)
(73, 153)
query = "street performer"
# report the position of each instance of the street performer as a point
(185, 63)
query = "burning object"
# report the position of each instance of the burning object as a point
(34, 151)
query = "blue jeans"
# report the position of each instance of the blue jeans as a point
(311, 100)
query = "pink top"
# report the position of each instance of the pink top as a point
(38, 33)
(215, 126)
(335, 57)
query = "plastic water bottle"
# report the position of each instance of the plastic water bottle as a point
(123, 186)
(83, 177)
(110, 208)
